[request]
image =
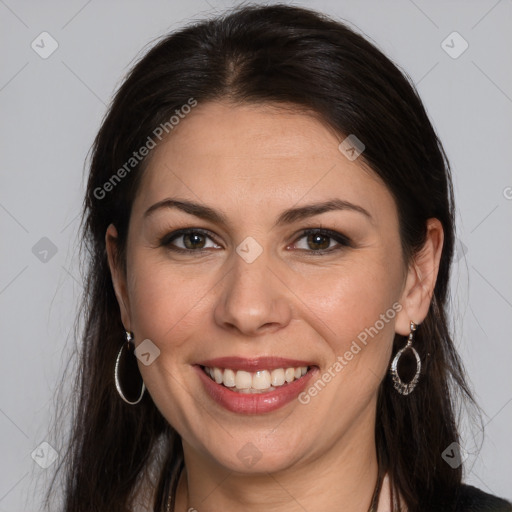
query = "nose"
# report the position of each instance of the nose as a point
(253, 300)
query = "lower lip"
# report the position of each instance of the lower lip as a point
(257, 403)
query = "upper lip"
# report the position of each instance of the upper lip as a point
(253, 364)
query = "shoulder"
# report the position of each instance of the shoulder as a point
(471, 499)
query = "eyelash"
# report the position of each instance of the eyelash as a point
(342, 240)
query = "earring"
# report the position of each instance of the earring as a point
(126, 367)
(401, 387)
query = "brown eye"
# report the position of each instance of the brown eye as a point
(188, 240)
(194, 241)
(320, 241)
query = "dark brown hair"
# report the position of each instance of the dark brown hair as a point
(270, 55)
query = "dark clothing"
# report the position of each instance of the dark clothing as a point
(471, 499)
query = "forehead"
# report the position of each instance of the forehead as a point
(261, 130)
(254, 154)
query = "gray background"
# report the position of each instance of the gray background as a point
(51, 109)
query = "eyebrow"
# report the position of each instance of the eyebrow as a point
(286, 217)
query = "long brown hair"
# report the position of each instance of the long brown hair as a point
(263, 54)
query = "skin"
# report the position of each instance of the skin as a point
(252, 162)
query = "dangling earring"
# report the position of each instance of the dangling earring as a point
(126, 369)
(401, 387)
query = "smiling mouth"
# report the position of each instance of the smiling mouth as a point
(261, 381)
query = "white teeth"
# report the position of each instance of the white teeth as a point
(228, 378)
(243, 380)
(259, 381)
(277, 377)
(217, 375)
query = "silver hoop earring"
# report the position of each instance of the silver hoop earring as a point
(126, 370)
(401, 387)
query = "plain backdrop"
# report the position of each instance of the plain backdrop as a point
(51, 109)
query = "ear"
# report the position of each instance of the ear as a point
(421, 279)
(118, 276)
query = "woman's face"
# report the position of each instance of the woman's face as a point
(246, 286)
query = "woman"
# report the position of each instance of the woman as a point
(269, 217)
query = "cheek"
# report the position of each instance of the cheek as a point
(350, 298)
(165, 301)
(167, 306)
(354, 308)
